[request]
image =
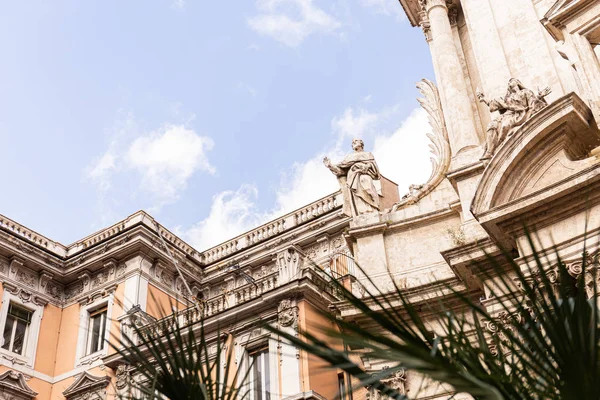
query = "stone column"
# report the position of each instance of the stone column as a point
(456, 102)
(588, 69)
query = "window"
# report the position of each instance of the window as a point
(16, 329)
(96, 330)
(260, 381)
(341, 387)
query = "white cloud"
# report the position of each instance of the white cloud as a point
(291, 21)
(166, 159)
(404, 156)
(244, 87)
(231, 213)
(354, 124)
(402, 153)
(387, 7)
(178, 4)
(101, 169)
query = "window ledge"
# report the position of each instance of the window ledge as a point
(15, 358)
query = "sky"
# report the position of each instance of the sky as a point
(213, 116)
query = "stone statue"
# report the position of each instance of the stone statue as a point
(356, 175)
(515, 108)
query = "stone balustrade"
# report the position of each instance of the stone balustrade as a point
(102, 235)
(221, 251)
(258, 235)
(256, 288)
(273, 228)
(229, 299)
(265, 231)
(316, 209)
(32, 236)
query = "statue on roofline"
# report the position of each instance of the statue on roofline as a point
(515, 108)
(356, 175)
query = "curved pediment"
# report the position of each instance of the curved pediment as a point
(544, 157)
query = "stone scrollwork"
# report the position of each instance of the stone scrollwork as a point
(517, 106)
(498, 326)
(287, 313)
(440, 145)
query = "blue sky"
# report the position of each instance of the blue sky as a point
(211, 115)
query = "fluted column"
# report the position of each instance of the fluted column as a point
(456, 101)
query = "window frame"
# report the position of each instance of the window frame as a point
(250, 346)
(15, 325)
(27, 358)
(85, 318)
(261, 354)
(102, 313)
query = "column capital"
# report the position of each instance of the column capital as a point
(427, 5)
(426, 26)
(453, 15)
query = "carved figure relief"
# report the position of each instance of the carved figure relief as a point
(286, 313)
(356, 175)
(515, 108)
(123, 377)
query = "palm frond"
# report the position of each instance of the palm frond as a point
(541, 342)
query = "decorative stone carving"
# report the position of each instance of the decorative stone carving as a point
(356, 175)
(515, 108)
(440, 145)
(13, 385)
(100, 278)
(74, 290)
(395, 381)
(25, 278)
(453, 15)
(498, 326)
(15, 264)
(123, 377)
(24, 295)
(121, 269)
(133, 318)
(3, 267)
(287, 313)
(53, 290)
(288, 263)
(87, 387)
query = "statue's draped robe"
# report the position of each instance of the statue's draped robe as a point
(356, 175)
(515, 108)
